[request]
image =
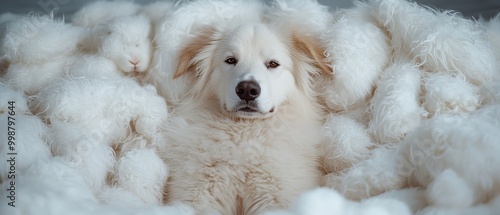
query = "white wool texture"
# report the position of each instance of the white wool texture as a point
(33, 40)
(460, 143)
(32, 78)
(353, 30)
(490, 208)
(93, 66)
(490, 93)
(118, 196)
(102, 11)
(348, 143)
(457, 143)
(446, 93)
(414, 198)
(141, 171)
(457, 193)
(439, 41)
(312, 17)
(21, 133)
(89, 115)
(84, 149)
(382, 171)
(29, 142)
(53, 187)
(7, 94)
(395, 108)
(110, 104)
(156, 10)
(324, 201)
(359, 112)
(36, 50)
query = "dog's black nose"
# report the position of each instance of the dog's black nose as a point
(248, 90)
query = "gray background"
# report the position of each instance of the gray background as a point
(469, 8)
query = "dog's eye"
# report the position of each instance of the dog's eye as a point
(231, 60)
(272, 64)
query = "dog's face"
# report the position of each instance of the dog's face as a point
(252, 72)
(250, 69)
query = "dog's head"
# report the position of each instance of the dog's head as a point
(250, 68)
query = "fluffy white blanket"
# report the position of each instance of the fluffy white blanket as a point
(414, 126)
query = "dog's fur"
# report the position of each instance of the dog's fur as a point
(234, 162)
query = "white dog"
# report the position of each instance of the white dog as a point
(245, 139)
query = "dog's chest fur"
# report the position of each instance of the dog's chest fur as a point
(259, 162)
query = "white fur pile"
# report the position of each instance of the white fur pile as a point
(395, 108)
(89, 116)
(31, 137)
(412, 108)
(54, 187)
(102, 11)
(323, 201)
(38, 48)
(309, 14)
(156, 10)
(437, 101)
(101, 126)
(440, 41)
(453, 156)
(352, 31)
(447, 93)
(348, 143)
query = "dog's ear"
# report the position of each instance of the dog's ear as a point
(313, 50)
(187, 56)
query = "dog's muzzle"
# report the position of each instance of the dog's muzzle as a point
(248, 107)
(248, 91)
